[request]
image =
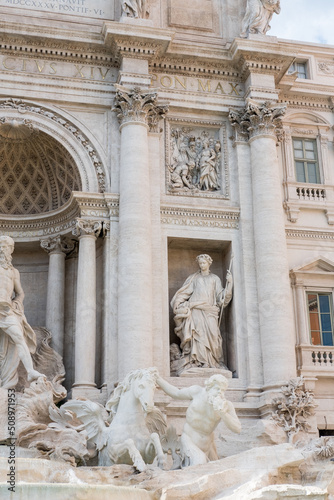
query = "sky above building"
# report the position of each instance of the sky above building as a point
(305, 20)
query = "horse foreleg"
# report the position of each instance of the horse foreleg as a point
(155, 442)
(117, 450)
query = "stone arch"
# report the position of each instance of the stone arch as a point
(70, 135)
(306, 118)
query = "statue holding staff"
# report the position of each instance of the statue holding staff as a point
(196, 306)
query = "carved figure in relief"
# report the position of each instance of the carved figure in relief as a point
(195, 162)
(196, 306)
(17, 338)
(136, 8)
(208, 161)
(258, 16)
(207, 408)
(132, 436)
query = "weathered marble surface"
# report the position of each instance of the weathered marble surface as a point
(256, 474)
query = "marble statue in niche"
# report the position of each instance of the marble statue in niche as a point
(197, 306)
(195, 162)
(17, 338)
(207, 408)
(258, 16)
(138, 9)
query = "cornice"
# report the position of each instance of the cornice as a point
(136, 42)
(58, 50)
(61, 221)
(192, 65)
(309, 234)
(304, 101)
(260, 54)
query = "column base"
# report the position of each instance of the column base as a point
(253, 393)
(87, 391)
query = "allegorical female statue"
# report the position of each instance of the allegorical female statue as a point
(135, 8)
(196, 307)
(258, 16)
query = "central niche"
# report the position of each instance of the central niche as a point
(37, 174)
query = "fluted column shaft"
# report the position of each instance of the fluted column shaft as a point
(260, 124)
(272, 270)
(85, 329)
(303, 327)
(57, 249)
(135, 302)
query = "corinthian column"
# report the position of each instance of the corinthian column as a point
(85, 327)
(271, 261)
(57, 248)
(136, 111)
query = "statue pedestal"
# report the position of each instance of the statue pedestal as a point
(198, 372)
(135, 21)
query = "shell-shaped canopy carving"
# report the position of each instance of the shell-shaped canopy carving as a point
(37, 174)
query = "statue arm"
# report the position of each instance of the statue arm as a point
(183, 294)
(18, 290)
(230, 419)
(173, 392)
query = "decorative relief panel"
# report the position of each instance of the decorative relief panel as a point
(196, 159)
(326, 67)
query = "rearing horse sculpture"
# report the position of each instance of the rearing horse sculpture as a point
(132, 436)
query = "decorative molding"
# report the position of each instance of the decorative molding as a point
(309, 234)
(189, 66)
(303, 131)
(24, 107)
(61, 221)
(139, 106)
(139, 49)
(190, 217)
(303, 101)
(16, 130)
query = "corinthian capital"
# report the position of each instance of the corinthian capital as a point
(85, 227)
(257, 119)
(57, 244)
(139, 106)
(263, 119)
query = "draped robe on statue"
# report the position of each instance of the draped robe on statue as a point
(196, 309)
(11, 314)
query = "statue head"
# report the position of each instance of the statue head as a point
(6, 250)
(204, 256)
(215, 387)
(218, 381)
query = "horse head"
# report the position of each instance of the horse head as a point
(144, 385)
